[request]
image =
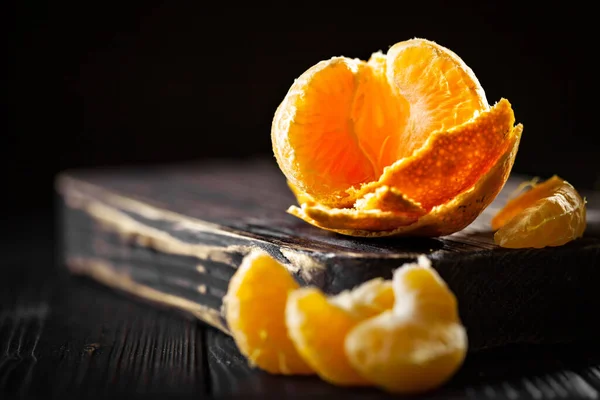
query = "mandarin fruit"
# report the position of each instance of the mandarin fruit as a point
(318, 325)
(551, 213)
(418, 344)
(254, 310)
(373, 148)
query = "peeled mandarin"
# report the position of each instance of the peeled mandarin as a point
(372, 148)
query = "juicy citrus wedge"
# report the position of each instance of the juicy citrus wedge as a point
(552, 213)
(255, 309)
(418, 344)
(318, 325)
(318, 329)
(371, 147)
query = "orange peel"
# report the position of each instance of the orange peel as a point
(453, 216)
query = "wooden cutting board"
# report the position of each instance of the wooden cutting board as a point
(174, 236)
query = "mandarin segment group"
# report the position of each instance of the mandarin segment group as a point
(403, 335)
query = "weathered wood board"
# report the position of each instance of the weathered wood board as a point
(174, 235)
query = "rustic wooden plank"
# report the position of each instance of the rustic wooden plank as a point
(50, 322)
(518, 372)
(175, 235)
(62, 335)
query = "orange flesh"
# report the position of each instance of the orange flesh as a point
(350, 112)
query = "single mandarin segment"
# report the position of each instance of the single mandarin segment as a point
(318, 324)
(318, 328)
(320, 101)
(417, 345)
(254, 309)
(551, 213)
(371, 148)
(441, 90)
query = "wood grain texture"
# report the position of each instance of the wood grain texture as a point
(175, 235)
(61, 335)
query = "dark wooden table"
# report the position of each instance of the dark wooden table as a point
(62, 335)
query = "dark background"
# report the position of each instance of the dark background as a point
(161, 82)
(95, 84)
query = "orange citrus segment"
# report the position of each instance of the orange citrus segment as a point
(440, 88)
(318, 329)
(314, 138)
(422, 294)
(378, 114)
(418, 344)
(550, 214)
(255, 308)
(526, 199)
(402, 356)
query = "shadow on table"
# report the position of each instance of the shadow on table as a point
(509, 372)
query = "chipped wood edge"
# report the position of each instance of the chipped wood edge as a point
(105, 273)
